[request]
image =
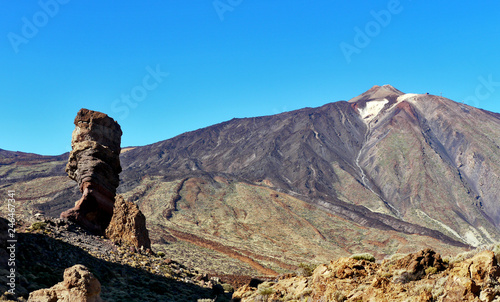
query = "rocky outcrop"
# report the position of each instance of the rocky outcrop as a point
(56, 244)
(417, 264)
(347, 279)
(79, 285)
(94, 163)
(128, 225)
(472, 278)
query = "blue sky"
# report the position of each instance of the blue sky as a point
(161, 68)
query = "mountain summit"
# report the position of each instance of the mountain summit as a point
(413, 164)
(377, 93)
(385, 172)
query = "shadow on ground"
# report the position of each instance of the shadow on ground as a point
(41, 261)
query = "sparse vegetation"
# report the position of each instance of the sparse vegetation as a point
(227, 288)
(339, 296)
(363, 256)
(265, 290)
(402, 276)
(38, 226)
(306, 269)
(438, 288)
(396, 257)
(160, 254)
(495, 248)
(430, 270)
(461, 257)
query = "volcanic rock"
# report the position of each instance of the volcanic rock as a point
(94, 163)
(347, 279)
(79, 285)
(474, 277)
(416, 264)
(128, 225)
(387, 172)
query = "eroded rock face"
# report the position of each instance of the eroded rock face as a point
(128, 225)
(79, 285)
(94, 163)
(416, 264)
(472, 278)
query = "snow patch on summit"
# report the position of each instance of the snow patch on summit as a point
(372, 109)
(409, 97)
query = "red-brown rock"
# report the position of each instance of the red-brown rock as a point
(346, 279)
(94, 163)
(416, 264)
(79, 285)
(128, 225)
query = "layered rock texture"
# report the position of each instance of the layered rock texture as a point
(79, 285)
(128, 225)
(94, 163)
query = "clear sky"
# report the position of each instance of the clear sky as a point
(164, 67)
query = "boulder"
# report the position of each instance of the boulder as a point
(473, 277)
(94, 163)
(128, 225)
(417, 264)
(79, 285)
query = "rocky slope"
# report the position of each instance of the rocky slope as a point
(382, 161)
(422, 277)
(434, 162)
(386, 172)
(47, 247)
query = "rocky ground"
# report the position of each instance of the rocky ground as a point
(47, 246)
(422, 276)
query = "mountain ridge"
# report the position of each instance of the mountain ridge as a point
(411, 165)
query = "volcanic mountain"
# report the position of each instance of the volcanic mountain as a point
(385, 172)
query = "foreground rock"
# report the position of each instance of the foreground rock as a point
(79, 285)
(421, 276)
(48, 246)
(128, 225)
(94, 163)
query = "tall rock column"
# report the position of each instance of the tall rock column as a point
(94, 163)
